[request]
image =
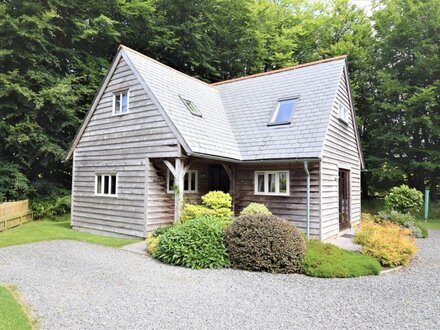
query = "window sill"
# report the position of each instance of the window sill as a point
(272, 194)
(106, 196)
(284, 123)
(345, 122)
(120, 114)
(185, 192)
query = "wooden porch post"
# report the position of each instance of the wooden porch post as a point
(178, 170)
(231, 173)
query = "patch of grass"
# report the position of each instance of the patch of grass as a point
(12, 314)
(328, 260)
(59, 228)
(430, 224)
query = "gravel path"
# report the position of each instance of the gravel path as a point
(74, 285)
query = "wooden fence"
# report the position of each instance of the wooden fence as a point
(13, 214)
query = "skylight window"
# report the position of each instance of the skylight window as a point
(283, 112)
(191, 107)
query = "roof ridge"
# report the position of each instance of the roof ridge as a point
(121, 46)
(294, 67)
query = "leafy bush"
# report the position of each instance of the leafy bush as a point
(403, 199)
(327, 260)
(13, 184)
(197, 243)
(389, 243)
(405, 220)
(265, 243)
(50, 208)
(214, 204)
(153, 238)
(255, 208)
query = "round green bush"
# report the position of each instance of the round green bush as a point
(264, 243)
(255, 208)
(197, 243)
(404, 199)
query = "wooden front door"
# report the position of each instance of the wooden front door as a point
(218, 178)
(344, 199)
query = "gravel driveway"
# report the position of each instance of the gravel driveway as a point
(74, 285)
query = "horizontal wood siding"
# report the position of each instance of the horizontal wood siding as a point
(340, 151)
(122, 145)
(293, 207)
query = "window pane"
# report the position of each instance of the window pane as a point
(106, 184)
(124, 102)
(117, 103)
(260, 182)
(271, 182)
(283, 182)
(98, 184)
(185, 182)
(193, 181)
(170, 182)
(113, 185)
(285, 111)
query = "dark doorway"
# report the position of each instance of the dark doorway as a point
(218, 178)
(344, 199)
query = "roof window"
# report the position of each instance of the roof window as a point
(283, 112)
(191, 107)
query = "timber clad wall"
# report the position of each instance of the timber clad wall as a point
(119, 144)
(340, 151)
(293, 207)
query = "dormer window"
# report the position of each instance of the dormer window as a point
(283, 112)
(191, 107)
(120, 103)
(343, 113)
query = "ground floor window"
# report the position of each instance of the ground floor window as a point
(190, 182)
(272, 183)
(106, 184)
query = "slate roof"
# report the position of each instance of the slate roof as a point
(235, 113)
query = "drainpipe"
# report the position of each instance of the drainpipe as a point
(306, 168)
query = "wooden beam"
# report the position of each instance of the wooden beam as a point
(170, 167)
(147, 175)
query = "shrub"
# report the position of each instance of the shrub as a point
(403, 199)
(50, 207)
(153, 238)
(327, 260)
(389, 243)
(214, 204)
(405, 220)
(255, 208)
(264, 243)
(197, 243)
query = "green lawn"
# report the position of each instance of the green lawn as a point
(12, 314)
(47, 230)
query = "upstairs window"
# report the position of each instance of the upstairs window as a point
(272, 183)
(190, 182)
(283, 112)
(106, 184)
(120, 103)
(343, 113)
(191, 107)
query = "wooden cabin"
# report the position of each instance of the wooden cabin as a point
(155, 138)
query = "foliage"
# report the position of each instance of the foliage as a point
(50, 207)
(255, 208)
(44, 230)
(13, 184)
(403, 199)
(197, 243)
(389, 243)
(12, 314)
(327, 260)
(214, 204)
(153, 238)
(264, 243)
(404, 220)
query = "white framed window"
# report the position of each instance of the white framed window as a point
(283, 112)
(190, 182)
(190, 105)
(343, 113)
(272, 183)
(120, 102)
(106, 184)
